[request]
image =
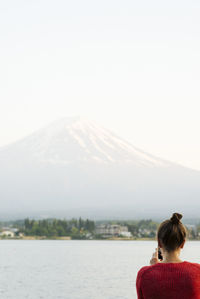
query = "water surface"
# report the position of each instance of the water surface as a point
(75, 269)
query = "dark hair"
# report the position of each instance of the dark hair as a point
(172, 233)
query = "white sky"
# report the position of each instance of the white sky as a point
(133, 66)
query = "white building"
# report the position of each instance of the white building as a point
(109, 230)
(7, 233)
(126, 234)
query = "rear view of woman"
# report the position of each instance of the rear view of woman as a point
(170, 278)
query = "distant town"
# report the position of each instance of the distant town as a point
(85, 229)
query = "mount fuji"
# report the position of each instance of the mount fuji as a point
(74, 167)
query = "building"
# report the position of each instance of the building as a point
(112, 230)
(7, 233)
(126, 234)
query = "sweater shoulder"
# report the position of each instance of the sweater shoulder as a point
(185, 266)
(195, 266)
(144, 270)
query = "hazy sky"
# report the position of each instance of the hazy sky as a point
(134, 66)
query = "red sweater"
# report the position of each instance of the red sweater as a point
(169, 281)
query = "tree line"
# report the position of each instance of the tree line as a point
(85, 228)
(75, 228)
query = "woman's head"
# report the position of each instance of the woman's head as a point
(172, 233)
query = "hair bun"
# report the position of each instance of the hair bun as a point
(176, 217)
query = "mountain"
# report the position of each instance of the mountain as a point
(74, 167)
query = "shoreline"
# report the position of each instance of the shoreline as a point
(70, 239)
(37, 238)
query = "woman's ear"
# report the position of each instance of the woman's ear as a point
(182, 245)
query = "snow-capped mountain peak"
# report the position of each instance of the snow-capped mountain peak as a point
(80, 168)
(78, 139)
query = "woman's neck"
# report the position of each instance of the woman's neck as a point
(171, 257)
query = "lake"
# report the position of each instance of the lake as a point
(76, 269)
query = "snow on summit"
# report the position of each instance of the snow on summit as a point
(77, 167)
(80, 140)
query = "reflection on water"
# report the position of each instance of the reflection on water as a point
(75, 269)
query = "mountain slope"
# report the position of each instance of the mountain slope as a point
(75, 167)
(79, 140)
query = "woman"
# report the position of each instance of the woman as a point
(169, 278)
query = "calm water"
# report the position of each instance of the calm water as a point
(75, 269)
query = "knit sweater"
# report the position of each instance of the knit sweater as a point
(169, 281)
